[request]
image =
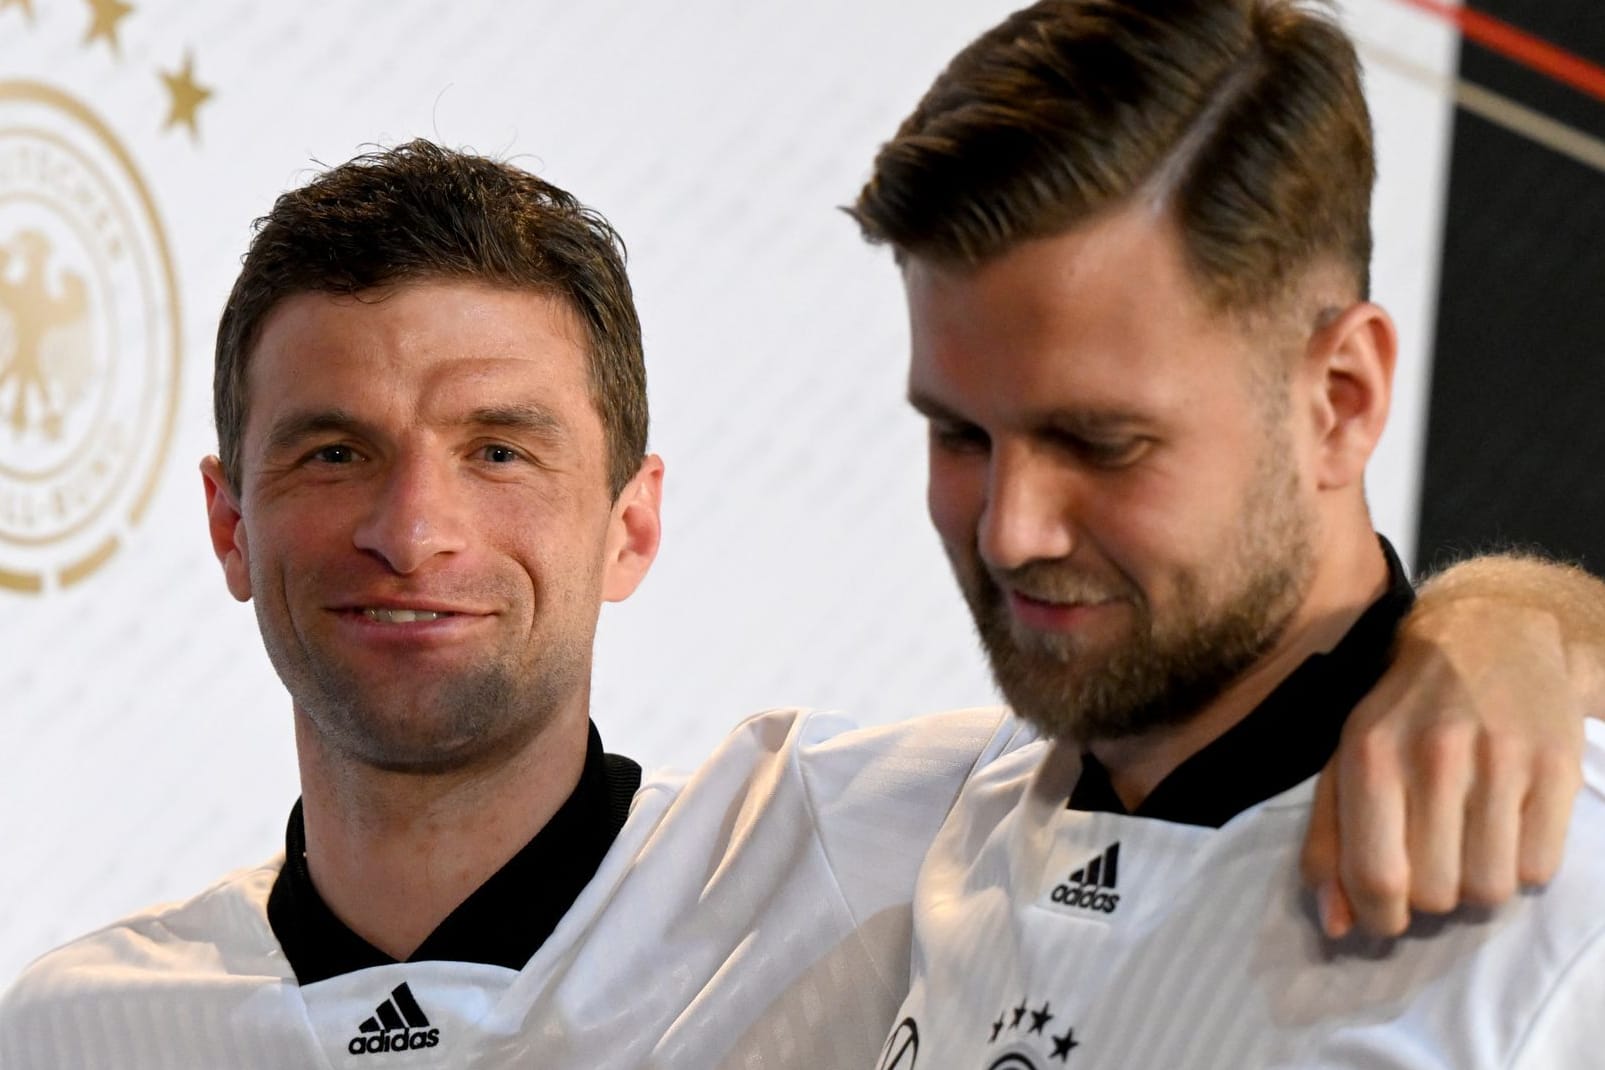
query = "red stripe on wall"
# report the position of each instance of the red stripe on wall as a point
(1519, 45)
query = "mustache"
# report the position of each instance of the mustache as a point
(1059, 582)
(353, 584)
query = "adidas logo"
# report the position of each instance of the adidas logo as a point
(1086, 887)
(398, 1024)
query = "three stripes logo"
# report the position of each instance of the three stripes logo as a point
(398, 1024)
(1092, 887)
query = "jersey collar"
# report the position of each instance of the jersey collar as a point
(504, 921)
(1286, 739)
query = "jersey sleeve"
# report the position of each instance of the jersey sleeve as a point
(776, 881)
(134, 994)
(879, 795)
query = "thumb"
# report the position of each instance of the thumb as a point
(1318, 862)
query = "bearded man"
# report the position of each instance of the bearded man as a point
(1135, 242)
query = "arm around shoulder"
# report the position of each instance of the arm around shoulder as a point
(1458, 771)
(1541, 601)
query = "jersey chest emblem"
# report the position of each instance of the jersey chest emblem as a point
(397, 1024)
(1024, 1037)
(1090, 888)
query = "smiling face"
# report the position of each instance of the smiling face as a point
(424, 521)
(1113, 473)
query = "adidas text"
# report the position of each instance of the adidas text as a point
(1086, 898)
(1092, 886)
(400, 1040)
(398, 1024)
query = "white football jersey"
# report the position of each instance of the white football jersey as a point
(754, 914)
(1048, 937)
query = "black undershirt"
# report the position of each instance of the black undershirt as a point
(504, 921)
(1284, 741)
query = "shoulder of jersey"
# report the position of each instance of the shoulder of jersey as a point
(223, 930)
(826, 772)
(960, 741)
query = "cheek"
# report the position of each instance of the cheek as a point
(955, 495)
(1137, 519)
(298, 542)
(559, 549)
(1159, 529)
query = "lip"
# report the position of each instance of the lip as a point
(416, 605)
(361, 629)
(1042, 616)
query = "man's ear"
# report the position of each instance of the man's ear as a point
(228, 534)
(633, 531)
(1350, 361)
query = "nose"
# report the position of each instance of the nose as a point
(416, 514)
(1029, 514)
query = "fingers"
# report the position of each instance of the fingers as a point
(1318, 862)
(1456, 775)
(1435, 817)
(1545, 813)
(1373, 864)
(1494, 817)
(1455, 815)
(1337, 915)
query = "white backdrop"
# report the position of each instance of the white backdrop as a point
(144, 741)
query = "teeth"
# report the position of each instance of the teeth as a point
(402, 616)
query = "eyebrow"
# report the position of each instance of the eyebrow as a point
(1088, 423)
(294, 427)
(528, 418)
(1094, 423)
(932, 409)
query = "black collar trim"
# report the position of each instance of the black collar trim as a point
(504, 921)
(1287, 738)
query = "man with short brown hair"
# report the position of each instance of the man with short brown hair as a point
(1135, 243)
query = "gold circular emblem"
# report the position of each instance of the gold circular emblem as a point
(89, 341)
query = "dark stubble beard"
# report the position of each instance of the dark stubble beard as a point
(470, 718)
(474, 717)
(1164, 670)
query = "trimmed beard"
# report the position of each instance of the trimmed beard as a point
(1164, 670)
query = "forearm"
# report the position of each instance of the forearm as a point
(1537, 589)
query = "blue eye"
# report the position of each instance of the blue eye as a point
(500, 454)
(335, 454)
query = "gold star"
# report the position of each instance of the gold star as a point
(187, 96)
(26, 5)
(105, 15)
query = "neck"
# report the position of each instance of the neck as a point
(1345, 584)
(392, 854)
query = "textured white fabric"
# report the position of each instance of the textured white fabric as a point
(1201, 950)
(754, 914)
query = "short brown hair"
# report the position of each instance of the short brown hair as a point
(1245, 116)
(420, 211)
